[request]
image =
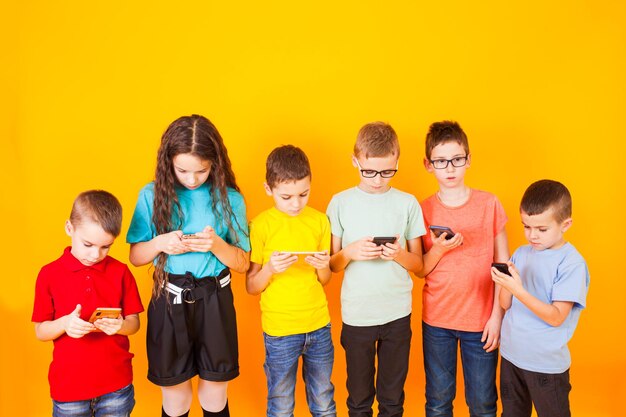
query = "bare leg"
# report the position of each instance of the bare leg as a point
(177, 398)
(212, 395)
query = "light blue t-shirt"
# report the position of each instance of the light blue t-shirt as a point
(550, 275)
(375, 292)
(197, 214)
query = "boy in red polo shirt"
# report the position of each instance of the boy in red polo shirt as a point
(91, 371)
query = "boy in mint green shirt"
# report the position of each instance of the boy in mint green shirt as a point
(376, 288)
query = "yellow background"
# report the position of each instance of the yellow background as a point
(88, 87)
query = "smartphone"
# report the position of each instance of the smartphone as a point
(302, 253)
(438, 230)
(502, 267)
(105, 312)
(190, 236)
(381, 240)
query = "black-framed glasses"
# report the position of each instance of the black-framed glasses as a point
(371, 173)
(457, 162)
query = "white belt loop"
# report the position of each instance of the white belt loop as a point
(225, 281)
(173, 289)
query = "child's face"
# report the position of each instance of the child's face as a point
(543, 231)
(450, 153)
(379, 166)
(190, 170)
(290, 197)
(90, 243)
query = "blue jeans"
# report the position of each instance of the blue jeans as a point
(479, 372)
(281, 366)
(115, 404)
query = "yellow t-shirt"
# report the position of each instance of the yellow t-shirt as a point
(294, 301)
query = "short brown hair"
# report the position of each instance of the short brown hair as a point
(544, 194)
(443, 132)
(376, 140)
(286, 163)
(98, 206)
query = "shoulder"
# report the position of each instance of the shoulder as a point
(344, 195)
(402, 196)
(147, 189)
(482, 197)
(235, 197)
(262, 217)
(52, 268)
(571, 255)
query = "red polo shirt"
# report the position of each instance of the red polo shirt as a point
(95, 364)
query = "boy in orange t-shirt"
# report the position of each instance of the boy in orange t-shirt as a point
(458, 295)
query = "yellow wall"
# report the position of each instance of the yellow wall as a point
(88, 88)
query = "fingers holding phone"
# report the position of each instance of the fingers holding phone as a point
(280, 261)
(444, 238)
(318, 260)
(390, 248)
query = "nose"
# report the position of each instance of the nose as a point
(450, 167)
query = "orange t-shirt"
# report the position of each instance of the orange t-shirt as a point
(458, 293)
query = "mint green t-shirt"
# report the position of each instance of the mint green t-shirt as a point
(375, 292)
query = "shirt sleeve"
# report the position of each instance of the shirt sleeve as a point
(415, 228)
(257, 242)
(333, 215)
(131, 303)
(572, 283)
(240, 222)
(141, 228)
(324, 244)
(500, 218)
(43, 308)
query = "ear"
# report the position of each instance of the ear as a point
(69, 229)
(268, 190)
(566, 224)
(354, 163)
(469, 160)
(428, 165)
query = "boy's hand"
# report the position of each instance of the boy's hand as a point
(319, 260)
(363, 250)
(279, 262)
(512, 283)
(76, 327)
(108, 325)
(204, 240)
(491, 334)
(390, 250)
(443, 245)
(171, 243)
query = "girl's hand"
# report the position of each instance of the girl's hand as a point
(108, 325)
(74, 326)
(512, 283)
(279, 262)
(204, 241)
(319, 260)
(390, 250)
(444, 245)
(171, 243)
(362, 250)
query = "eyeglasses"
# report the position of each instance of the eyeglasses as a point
(457, 162)
(371, 173)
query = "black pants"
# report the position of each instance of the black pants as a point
(521, 389)
(391, 342)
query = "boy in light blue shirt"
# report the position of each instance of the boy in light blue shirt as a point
(543, 297)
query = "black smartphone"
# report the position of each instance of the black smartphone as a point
(381, 240)
(438, 230)
(504, 268)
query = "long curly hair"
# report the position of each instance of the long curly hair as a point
(197, 136)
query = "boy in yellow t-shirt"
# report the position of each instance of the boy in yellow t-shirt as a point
(289, 266)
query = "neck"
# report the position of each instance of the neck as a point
(454, 197)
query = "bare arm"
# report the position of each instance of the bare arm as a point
(360, 250)
(410, 258)
(258, 277)
(439, 248)
(142, 253)
(71, 324)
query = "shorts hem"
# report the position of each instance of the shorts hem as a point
(175, 380)
(218, 376)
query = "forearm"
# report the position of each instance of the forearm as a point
(232, 256)
(339, 261)
(258, 278)
(430, 261)
(130, 325)
(505, 298)
(497, 310)
(410, 261)
(50, 330)
(549, 313)
(142, 253)
(324, 275)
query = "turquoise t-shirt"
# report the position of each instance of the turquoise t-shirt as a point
(197, 214)
(375, 292)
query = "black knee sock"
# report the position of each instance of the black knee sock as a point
(164, 414)
(223, 413)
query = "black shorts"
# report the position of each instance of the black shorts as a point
(195, 333)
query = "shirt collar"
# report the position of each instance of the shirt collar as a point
(70, 262)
